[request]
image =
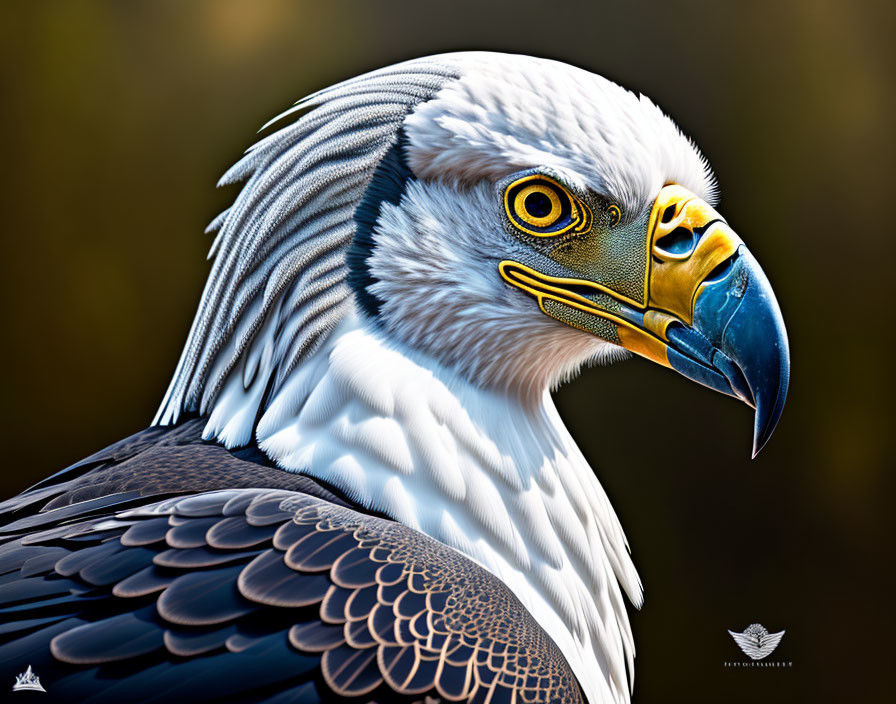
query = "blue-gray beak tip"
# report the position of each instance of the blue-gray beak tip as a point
(740, 316)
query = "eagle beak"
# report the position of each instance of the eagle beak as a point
(737, 343)
(724, 328)
(708, 310)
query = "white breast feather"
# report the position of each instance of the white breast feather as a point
(505, 486)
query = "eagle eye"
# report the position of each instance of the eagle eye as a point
(540, 206)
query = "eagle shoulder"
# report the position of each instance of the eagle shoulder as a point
(257, 593)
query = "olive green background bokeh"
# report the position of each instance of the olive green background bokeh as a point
(117, 118)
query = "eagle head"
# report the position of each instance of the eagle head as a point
(531, 217)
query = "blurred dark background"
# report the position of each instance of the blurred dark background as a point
(117, 119)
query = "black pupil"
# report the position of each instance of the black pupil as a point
(538, 205)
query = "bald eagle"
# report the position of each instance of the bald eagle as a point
(357, 487)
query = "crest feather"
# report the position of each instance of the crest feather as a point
(285, 236)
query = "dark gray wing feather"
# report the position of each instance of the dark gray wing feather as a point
(262, 595)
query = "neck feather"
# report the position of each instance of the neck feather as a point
(499, 480)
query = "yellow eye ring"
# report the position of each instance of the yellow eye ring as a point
(524, 211)
(615, 215)
(541, 207)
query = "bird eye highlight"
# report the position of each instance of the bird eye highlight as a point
(539, 206)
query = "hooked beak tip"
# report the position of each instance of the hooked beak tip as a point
(739, 313)
(769, 413)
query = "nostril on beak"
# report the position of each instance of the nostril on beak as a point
(678, 242)
(668, 213)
